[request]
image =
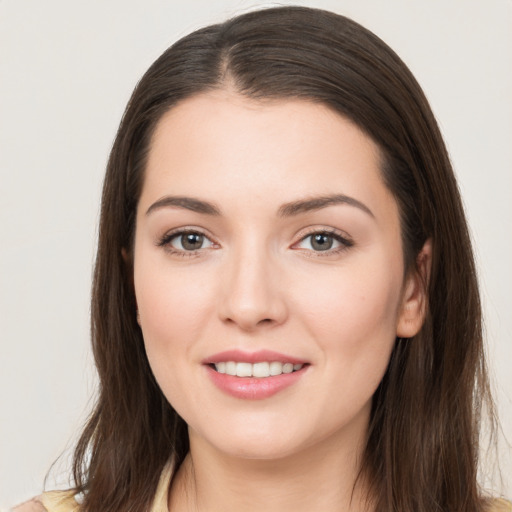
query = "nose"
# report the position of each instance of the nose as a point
(252, 294)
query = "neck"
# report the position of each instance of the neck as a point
(317, 478)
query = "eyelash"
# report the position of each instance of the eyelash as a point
(344, 241)
(166, 240)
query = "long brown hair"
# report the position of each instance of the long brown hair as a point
(422, 448)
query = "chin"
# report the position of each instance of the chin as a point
(253, 444)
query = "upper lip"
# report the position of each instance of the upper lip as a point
(240, 356)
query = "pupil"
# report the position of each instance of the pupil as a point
(322, 242)
(192, 241)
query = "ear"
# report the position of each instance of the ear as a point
(125, 256)
(414, 303)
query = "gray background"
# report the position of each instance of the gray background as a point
(66, 72)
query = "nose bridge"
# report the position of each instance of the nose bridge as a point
(251, 291)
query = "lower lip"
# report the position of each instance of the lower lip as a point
(253, 388)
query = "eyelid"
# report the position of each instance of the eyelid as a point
(342, 237)
(165, 240)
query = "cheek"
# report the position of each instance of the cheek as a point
(173, 314)
(353, 317)
(173, 308)
(355, 328)
(352, 302)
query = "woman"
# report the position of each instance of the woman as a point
(285, 309)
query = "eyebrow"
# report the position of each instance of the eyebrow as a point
(286, 210)
(317, 203)
(188, 203)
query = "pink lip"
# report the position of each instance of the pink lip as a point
(253, 388)
(239, 356)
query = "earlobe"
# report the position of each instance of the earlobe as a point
(415, 295)
(125, 256)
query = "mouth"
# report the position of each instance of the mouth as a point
(259, 370)
(254, 375)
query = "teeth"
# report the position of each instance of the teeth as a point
(287, 368)
(259, 370)
(231, 368)
(243, 369)
(276, 368)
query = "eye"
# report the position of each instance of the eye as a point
(186, 241)
(323, 241)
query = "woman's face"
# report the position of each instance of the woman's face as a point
(268, 273)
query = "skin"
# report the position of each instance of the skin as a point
(257, 282)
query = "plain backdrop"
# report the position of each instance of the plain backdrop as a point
(66, 72)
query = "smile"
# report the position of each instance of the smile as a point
(254, 375)
(259, 370)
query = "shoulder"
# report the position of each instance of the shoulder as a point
(54, 501)
(33, 505)
(499, 505)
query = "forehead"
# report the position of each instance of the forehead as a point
(224, 145)
(224, 114)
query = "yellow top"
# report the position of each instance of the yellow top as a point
(58, 501)
(63, 501)
(501, 505)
